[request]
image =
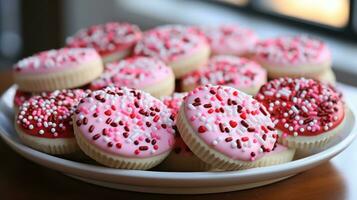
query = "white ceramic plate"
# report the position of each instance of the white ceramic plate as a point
(171, 182)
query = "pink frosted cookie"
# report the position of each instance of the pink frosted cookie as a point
(181, 158)
(307, 113)
(294, 56)
(230, 39)
(113, 41)
(225, 127)
(147, 74)
(183, 48)
(44, 122)
(124, 128)
(57, 69)
(232, 71)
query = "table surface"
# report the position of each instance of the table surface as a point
(22, 179)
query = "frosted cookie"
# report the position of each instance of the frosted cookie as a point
(181, 158)
(113, 41)
(57, 69)
(240, 73)
(307, 113)
(185, 49)
(225, 127)
(294, 56)
(124, 128)
(143, 73)
(230, 39)
(20, 97)
(44, 122)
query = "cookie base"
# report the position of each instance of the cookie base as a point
(163, 88)
(56, 146)
(308, 71)
(185, 65)
(116, 161)
(116, 56)
(70, 78)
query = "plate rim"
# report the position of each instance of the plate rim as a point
(182, 179)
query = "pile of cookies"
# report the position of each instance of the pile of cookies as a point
(183, 98)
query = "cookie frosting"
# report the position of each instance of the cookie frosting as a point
(106, 38)
(232, 71)
(302, 107)
(171, 42)
(55, 60)
(230, 121)
(230, 39)
(20, 97)
(49, 115)
(174, 102)
(135, 72)
(292, 51)
(125, 122)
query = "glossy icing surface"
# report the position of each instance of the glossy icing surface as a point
(125, 122)
(55, 60)
(170, 42)
(232, 71)
(302, 106)
(106, 38)
(134, 72)
(230, 121)
(292, 51)
(230, 39)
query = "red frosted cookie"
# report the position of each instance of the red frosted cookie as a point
(57, 69)
(124, 128)
(181, 158)
(240, 73)
(183, 48)
(294, 56)
(307, 113)
(20, 97)
(44, 122)
(225, 127)
(113, 40)
(230, 39)
(147, 74)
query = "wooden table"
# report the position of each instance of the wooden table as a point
(22, 179)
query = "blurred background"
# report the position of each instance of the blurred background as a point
(27, 27)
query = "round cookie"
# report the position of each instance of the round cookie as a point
(113, 41)
(240, 73)
(44, 122)
(57, 69)
(306, 112)
(293, 56)
(124, 128)
(181, 158)
(230, 39)
(143, 73)
(185, 49)
(225, 127)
